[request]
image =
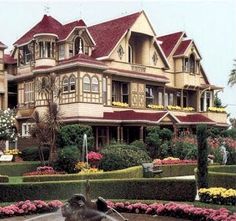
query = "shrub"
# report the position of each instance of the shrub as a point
(4, 179)
(67, 159)
(184, 150)
(153, 141)
(32, 153)
(202, 156)
(72, 135)
(150, 188)
(166, 134)
(140, 144)
(230, 133)
(117, 157)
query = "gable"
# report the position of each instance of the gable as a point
(142, 25)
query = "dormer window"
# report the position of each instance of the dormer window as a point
(192, 63)
(46, 49)
(24, 55)
(79, 45)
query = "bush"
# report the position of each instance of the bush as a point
(32, 153)
(140, 144)
(132, 172)
(166, 134)
(120, 156)
(184, 150)
(153, 141)
(4, 179)
(67, 158)
(72, 135)
(230, 133)
(17, 169)
(150, 188)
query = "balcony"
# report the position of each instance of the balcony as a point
(26, 110)
(138, 68)
(220, 118)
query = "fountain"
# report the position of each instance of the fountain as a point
(85, 149)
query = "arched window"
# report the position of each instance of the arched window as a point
(65, 84)
(130, 54)
(94, 84)
(86, 83)
(72, 83)
(192, 63)
(79, 45)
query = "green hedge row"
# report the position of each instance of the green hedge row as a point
(132, 172)
(177, 170)
(226, 180)
(223, 169)
(149, 188)
(17, 169)
(4, 179)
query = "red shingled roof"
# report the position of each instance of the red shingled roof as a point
(169, 41)
(132, 115)
(193, 118)
(47, 25)
(107, 34)
(182, 47)
(8, 59)
(82, 58)
(67, 28)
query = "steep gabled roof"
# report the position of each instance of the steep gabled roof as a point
(194, 118)
(108, 34)
(169, 41)
(182, 47)
(67, 28)
(47, 25)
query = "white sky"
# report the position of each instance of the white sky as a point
(211, 24)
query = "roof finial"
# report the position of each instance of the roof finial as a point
(46, 8)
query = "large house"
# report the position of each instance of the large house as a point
(117, 76)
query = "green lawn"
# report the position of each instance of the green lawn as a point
(15, 179)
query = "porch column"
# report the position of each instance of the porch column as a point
(121, 135)
(118, 134)
(198, 100)
(107, 136)
(96, 138)
(182, 98)
(163, 97)
(141, 133)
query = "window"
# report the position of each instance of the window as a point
(186, 65)
(166, 99)
(72, 83)
(41, 49)
(104, 90)
(192, 63)
(130, 54)
(47, 49)
(178, 99)
(125, 93)
(24, 55)
(61, 52)
(149, 95)
(25, 129)
(171, 99)
(65, 85)
(79, 45)
(29, 92)
(94, 84)
(86, 84)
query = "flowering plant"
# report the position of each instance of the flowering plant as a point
(171, 160)
(217, 109)
(93, 156)
(12, 152)
(29, 207)
(170, 107)
(81, 166)
(188, 109)
(218, 195)
(179, 210)
(45, 170)
(90, 170)
(119, 104)
(7, 125)
(156, 106)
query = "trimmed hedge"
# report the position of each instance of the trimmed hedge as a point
(177, 170)
(132, 172)
(17, 169)
(4, 179)
(150, 188)
(222, 176)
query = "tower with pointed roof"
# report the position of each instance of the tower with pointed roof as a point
(3, 82)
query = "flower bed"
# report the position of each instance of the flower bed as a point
(217, 109)
(172, 160)
(184, 211)
(218, 196)
(156, 106)
(45, 170)
(119, 104)
(29, 207)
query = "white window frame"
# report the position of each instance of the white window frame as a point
(29, 92)
(25, 128)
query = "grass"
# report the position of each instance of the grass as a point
(15, 179)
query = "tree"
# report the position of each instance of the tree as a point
(47, 125)
(202, 156)
(232, 75)
(233, 122)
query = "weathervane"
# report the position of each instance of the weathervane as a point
(46, 8)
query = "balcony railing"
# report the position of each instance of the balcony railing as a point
(138, 68)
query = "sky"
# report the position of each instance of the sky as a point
(210, 23)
